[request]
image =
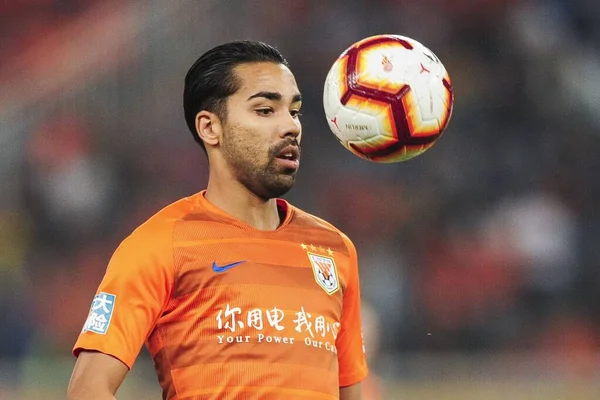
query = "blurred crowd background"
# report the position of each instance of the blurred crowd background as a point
(479, 259)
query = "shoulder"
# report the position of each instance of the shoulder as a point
(311, 221)
(156, 233)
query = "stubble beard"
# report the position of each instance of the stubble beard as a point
(249, 168)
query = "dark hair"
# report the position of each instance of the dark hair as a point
(211, 79)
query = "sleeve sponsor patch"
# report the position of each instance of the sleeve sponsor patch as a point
(101, 312)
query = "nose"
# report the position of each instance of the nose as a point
(291, 128)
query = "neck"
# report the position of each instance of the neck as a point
(236, 200)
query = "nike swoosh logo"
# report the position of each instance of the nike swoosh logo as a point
(223, 268)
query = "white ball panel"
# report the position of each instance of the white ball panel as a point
(332, 91)
(353, 125)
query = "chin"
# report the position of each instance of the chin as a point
(277, 188)
(280, 190)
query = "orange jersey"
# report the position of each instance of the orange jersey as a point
(231, 312)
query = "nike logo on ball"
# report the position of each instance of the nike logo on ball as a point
(223, 268)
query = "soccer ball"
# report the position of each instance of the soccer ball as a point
(388, 98)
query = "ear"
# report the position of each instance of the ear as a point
(208, 126)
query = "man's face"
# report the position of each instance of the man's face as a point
(262, 132)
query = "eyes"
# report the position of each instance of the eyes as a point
(267, 111)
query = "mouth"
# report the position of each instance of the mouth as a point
(289, 157)
(289, 153)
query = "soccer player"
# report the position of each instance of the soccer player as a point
(236, 293)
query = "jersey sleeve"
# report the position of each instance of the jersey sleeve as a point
(131, 296)
(349, 343)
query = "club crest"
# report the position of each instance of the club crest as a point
(325, 272)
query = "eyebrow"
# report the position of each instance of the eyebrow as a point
(275, 96)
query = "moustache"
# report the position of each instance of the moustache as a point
(278, 148)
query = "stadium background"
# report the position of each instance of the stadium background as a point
(479, 258)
